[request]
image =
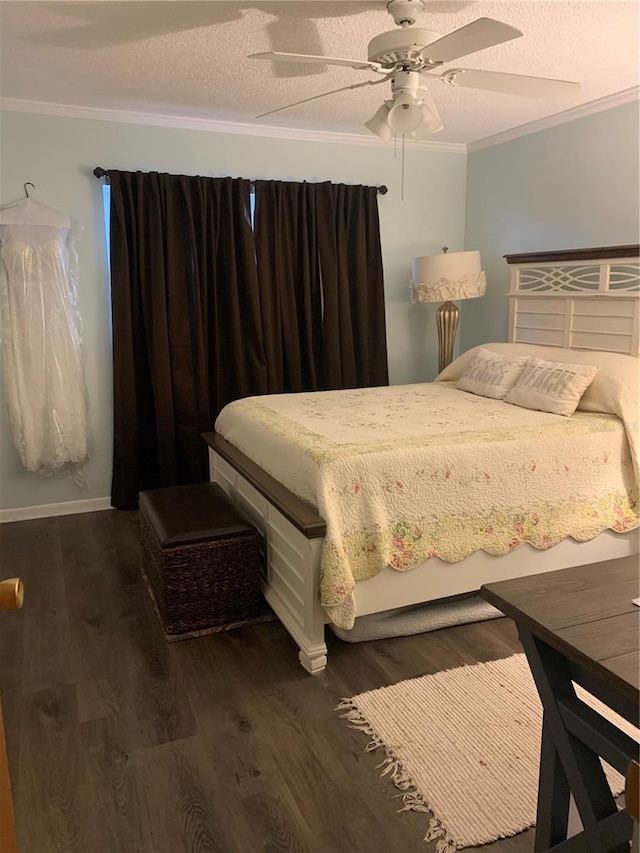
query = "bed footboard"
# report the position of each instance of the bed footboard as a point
(291, 574)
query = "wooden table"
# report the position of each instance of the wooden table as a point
(580, 625)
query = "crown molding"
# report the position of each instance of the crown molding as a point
(217, 125)
(336, 137)
(627, 96)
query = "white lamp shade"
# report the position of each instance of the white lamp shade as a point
(454, 275)
(379, 123)
(405, 115)
(430, 124)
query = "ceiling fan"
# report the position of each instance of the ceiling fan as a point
(409, 56)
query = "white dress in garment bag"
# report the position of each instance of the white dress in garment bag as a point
(41, 339)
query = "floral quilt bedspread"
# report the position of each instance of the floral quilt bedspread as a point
(408, 472)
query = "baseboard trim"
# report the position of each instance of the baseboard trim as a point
(25, 513)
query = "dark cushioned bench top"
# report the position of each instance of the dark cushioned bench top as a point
(184, 515)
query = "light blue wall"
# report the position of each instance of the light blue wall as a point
(573, 185)
(58, 155)
(566, 187)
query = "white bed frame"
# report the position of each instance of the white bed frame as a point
(580, 299)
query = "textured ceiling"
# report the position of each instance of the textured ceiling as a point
(189, 58)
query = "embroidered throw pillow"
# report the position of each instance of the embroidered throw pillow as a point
(551, 386)
(490, 374)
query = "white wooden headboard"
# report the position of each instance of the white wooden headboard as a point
(585, 299)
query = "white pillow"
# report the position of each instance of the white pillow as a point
(614, 390)
(490, 374)
(551, 386)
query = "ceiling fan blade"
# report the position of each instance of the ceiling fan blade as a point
(512, 84)
(276, 56)
(324, 94)
(478, 35)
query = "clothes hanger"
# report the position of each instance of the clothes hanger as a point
(26, 211)
(20, 201)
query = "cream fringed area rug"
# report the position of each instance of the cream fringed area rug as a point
(464, 744)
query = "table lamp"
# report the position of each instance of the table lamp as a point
(457, 275)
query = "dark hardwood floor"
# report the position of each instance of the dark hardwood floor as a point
(120, 743)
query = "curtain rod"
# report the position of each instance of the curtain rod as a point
(99, 172)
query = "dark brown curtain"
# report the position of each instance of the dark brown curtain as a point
(286, 233)
(187, 330)
(203, 314)
(355, 342)
(321, 283)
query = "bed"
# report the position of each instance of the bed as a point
(374, 499)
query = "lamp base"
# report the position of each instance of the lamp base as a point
(447, 318)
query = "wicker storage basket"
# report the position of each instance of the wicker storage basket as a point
(201, 560)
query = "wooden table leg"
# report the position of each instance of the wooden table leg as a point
(8, 843)
(553, 796)
(632, 790)
(580, 766)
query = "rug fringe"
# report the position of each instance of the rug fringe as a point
(412, 799)
(413, 802)
(437, 832)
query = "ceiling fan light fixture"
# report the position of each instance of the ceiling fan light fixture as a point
(379, 123)
(405, 115)
(430, 124)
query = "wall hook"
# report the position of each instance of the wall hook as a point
(27, 184)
